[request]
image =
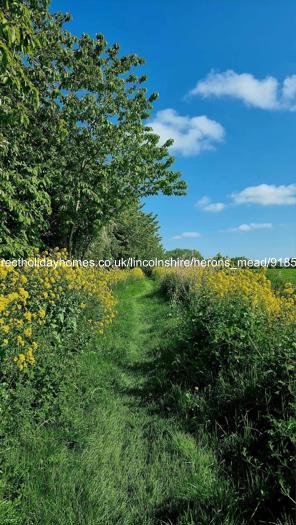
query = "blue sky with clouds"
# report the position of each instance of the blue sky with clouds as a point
(226, 74)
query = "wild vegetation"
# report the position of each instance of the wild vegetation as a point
(124, 399)
(280, 276)
(96, 448)
(233, 373)
(86, 153)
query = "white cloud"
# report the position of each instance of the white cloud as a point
(191, 135)
(251, 227)
(266, 195)
(206, 204)
(266, 93)
(289, 88)
(262, 195)
(187, 235)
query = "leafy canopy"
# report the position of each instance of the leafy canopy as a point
(87, 153)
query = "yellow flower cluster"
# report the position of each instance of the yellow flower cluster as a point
(137, 274)
(16, 319)
(253, 286)
(29, 297)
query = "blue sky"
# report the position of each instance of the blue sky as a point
(225, 73)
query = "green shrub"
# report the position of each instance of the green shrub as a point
(232, 373)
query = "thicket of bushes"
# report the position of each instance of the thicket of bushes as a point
(48, 316)
(232, 373)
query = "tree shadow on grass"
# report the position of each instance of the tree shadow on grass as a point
(166, 369)
(178, 511)
(172, 510)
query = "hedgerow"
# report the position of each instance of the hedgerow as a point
(49, 314)
(233, 374)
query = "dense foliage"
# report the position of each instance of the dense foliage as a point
(132, 234)
(18, 38)
(76, 159)
(36, 296)
(48, 315)
(233, 373)
(86, 152)
(182, 253)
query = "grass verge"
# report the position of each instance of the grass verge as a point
(110, 455)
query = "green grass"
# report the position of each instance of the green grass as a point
(280, 276)
(232, 374)
(113, 457)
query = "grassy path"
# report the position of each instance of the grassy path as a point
(114, 458)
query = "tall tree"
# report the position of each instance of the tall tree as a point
(18, 38)
(106, 156)
(133, 233)
(23, 201)
(88, 152)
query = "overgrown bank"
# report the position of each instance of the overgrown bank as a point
(232, 373)
(107, 452)
(180, 413)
